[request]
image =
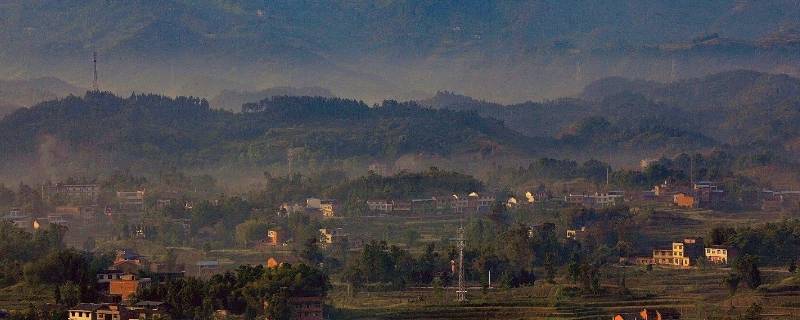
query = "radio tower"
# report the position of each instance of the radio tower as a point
(95, 85)
(461, 293)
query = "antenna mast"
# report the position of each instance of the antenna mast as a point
(95, 84)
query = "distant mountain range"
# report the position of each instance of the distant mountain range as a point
(507, 51)
(736, 107)
(15, 94)
(739, 111)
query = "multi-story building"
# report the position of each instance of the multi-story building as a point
(384, 206)
(71, 193)
(680, 254)
(328, 208)
(720, 254)
(306, 308)
(126, 286)
(131, 200)
(273, 237)
(83, 311)
(328, 236)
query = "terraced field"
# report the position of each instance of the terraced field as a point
(696, 293)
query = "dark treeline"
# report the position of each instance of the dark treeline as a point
(243, 292)
(157, 132)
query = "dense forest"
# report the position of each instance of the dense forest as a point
(157, 132)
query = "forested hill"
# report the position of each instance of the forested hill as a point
(736, 107)
(153, 131)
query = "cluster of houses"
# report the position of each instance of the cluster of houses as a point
(703, 194)
(118, 284)
(326, 237)
(686, 253)
(324, 207)
(472, 203)
(142, 310)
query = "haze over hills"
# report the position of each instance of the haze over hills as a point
(506, 51)
(735, 107)
(744, 112)
(101, 132)
(15, 94)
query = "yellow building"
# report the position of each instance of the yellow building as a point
(328, 208)
(720, 254)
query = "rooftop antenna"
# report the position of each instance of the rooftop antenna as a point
(95, 84)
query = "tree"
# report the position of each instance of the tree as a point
(747, 267)
(70, 293)
(793, 265)
(250, 231)
(311, 252)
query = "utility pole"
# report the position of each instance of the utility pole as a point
(461, 293)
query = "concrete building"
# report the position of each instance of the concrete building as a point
(71, 193)
(131, 200)
(720, 254)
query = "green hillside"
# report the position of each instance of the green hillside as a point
(155, 131)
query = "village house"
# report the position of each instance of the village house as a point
(539, 195)
(511, 202)
(145, 310)
(288, 209)
(130, 200)
(328, 208)
(707, 194)
(779, 200)
(328, 236)
(273, 237)
(400, 207)
(208, 268)
(576, 234)
(113, 312)
(83, 311)
(384, 206)
(652, 314)
(19, 219)
(720, 254)
(73, 193)
(126, 286)
(597, 200)
(306, 308)
(684, 200)
(129, 261)
(681, 254)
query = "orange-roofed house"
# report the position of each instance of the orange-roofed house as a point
(684, 200)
